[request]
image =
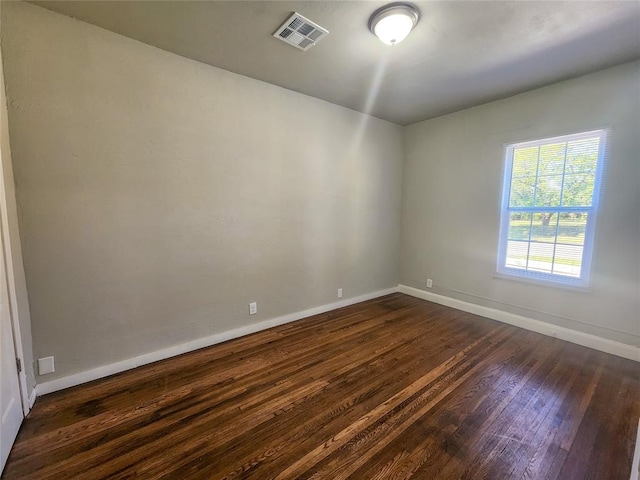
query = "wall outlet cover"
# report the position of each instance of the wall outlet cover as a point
(339, 293)
(253, 308)
(46, 365)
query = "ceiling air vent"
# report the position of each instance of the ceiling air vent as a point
(300, 32)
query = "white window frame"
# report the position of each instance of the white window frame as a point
(592, 211)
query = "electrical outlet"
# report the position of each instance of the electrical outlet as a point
(253, 308)
(429, 283)
(339, 293)
(46, 365)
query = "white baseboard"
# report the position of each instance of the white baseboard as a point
(128, 364)
(32, 397)
(635, 465)
(573, 336)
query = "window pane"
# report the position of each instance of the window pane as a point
(549, 200)
(551, 159)
(540, 257)
(571, 228)
(548, 190)
(578, 190)
(517, 254)
(525, 162)
(568, 260)
(582, 155)
(522, 190)
(519, 226)
(543, 228)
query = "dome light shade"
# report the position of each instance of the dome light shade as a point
(392, 23)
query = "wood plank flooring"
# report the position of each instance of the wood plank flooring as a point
(393, 388)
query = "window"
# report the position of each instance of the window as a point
(549, 205)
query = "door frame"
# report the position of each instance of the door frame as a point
(13, 297)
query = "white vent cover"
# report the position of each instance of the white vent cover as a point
(300, 32)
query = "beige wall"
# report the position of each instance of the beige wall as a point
(159, 196)
(15, 262)
(452, 192)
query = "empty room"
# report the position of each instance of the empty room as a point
(320, 240)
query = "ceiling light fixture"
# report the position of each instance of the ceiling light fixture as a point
(392, 23)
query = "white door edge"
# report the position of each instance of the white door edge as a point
(635, 464)
(13, 299)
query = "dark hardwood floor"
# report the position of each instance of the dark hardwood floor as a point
(392, 388)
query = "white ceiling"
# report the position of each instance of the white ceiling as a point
(462, 53)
